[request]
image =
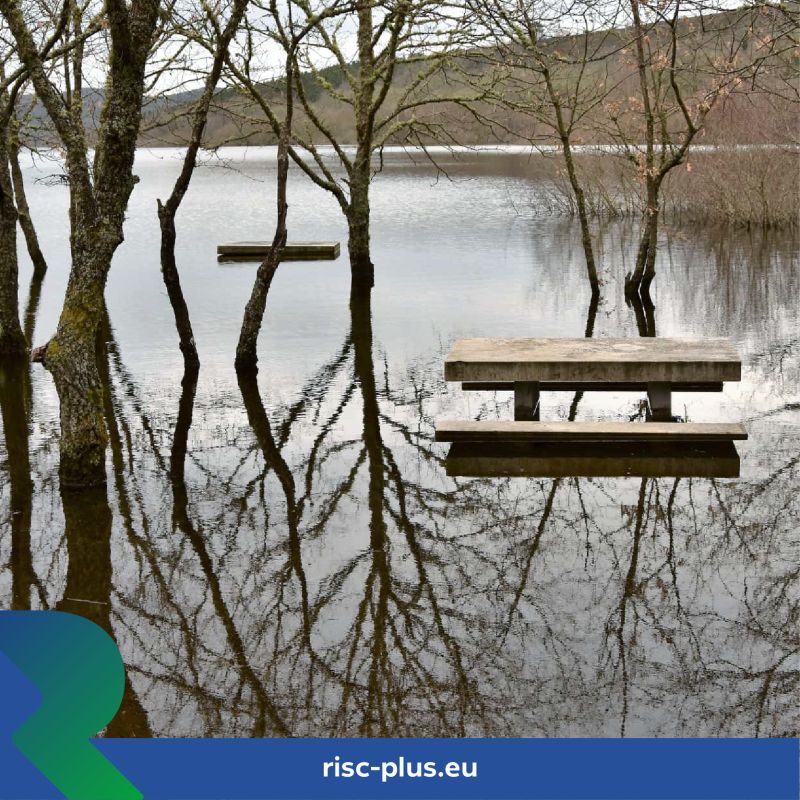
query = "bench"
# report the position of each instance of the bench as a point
(657, 366)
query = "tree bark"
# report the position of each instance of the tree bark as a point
(633, 281)
(362, 270)
(12, 340)
(247, 347)
(651, 232)
(70, 356)
(172, 282)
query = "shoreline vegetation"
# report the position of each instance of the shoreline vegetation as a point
(743, 185)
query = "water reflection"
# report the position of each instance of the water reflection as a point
(14, 390)
(293, 554)
(88, 587)
(594, 460)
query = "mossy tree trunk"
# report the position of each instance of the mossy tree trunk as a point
(362, 271)
(98, 200)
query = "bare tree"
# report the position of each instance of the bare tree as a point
(553, 78)
(375, 64)
(217, 43)
(247, 347)
(688, 57)
(290, 36)
(13, 201)
(99, 194)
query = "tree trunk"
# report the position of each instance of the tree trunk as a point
(12, 340)
(172, 281)
(168, 210)
(577, 189)
(24, 213)
(247, 348)
(70, 356)
(362, 271)
(99, 196)
(633, 282)
(586, 238)
(649, 271)
(644, 272)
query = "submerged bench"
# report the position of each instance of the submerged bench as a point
(657, 366)
(291, 251)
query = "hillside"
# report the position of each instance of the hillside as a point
(749, 114)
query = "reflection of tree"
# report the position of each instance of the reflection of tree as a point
(392, 604)
(88, 589)
(266, 710)
(14, 382)
(308, 568)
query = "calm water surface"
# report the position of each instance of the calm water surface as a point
(296, 555)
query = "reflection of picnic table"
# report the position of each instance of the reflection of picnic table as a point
(657, 366)
(593, 460)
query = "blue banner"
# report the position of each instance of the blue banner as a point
(459, 768)
(52, 703)
(291, 769)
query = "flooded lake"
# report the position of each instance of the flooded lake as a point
(296, 556)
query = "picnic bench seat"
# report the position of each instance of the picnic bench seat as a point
(657, 366)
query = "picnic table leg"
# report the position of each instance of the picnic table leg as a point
(526, 401)
(659, 395)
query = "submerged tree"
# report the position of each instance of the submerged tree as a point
(247, 347)
(688, 58)
(13, 201)
(374, 65)
(12, 340)
(15, 146)
(217, 41)
(557, 80)
(99, 194)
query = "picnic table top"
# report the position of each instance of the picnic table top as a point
(657, 359)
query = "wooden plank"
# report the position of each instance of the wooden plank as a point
(671, 360)
(293, 251)
(587, 386)
(521, 431)
(593, 460)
